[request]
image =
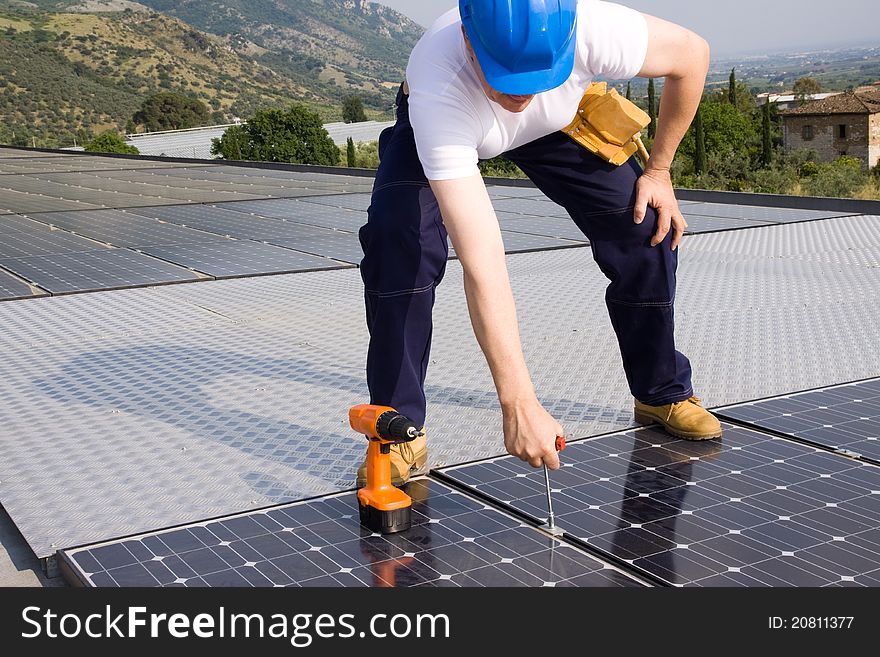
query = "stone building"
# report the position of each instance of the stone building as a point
(844, 124)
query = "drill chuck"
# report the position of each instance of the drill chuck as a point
(393, 426)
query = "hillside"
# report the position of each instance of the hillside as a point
(68, 73)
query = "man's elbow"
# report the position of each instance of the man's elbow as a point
(701, 53)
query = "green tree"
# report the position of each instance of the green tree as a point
(700, 144)
(652, 109)
(766, 142)
(841, 178)
(295, 135)
(171, 111)
(629, 90)
(353, 110)
(731, 88)
(350, 153)
(806, 86)
(110, 142)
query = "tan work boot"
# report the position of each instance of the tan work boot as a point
(686, 419)
(405, 458)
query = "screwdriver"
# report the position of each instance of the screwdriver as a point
(551, 518)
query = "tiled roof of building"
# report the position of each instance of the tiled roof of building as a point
(862, 102)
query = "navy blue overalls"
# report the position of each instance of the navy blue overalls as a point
(405, 252)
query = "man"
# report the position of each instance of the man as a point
(505, 76)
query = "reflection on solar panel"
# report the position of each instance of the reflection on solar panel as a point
(12, 288)
(454, 541)
(95, 270)
(844, 417)
(748, 510)
(229, 258)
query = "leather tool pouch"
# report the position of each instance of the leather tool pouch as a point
(608, 124)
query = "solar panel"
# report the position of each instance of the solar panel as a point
(21, 238)
(702, 224)
(123, 228)
(454, 541)
(25, 203)
(301, 212)
(747, 510)
(95, 270)
(12, 288)
(234, 224)
(558, 227)
(359, 202)
(530, 206)
(499, 191)
(334, 244)
(845, 418)
(229, 258)
(759, 213)
(519, 242)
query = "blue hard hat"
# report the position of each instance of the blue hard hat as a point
(523, 46)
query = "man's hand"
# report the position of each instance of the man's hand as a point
(654, 188)
(530, 434)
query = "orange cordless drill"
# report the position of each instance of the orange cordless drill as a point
(383, 507)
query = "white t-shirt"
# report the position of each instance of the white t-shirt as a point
(456, 125)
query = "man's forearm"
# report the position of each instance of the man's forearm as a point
(493, 316)
(678, 106)
(473, 227)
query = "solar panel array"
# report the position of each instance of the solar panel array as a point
(273, 221)
(455, 541)
(748, 510)
(844, 418)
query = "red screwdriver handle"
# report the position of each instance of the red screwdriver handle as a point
(560, 443)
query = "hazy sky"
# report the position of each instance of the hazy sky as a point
(742, 26)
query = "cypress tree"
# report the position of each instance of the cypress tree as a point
(350, 153)
(652, 109)
(731, 93)
(766, 145)
(629, 91)
(700, 137)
